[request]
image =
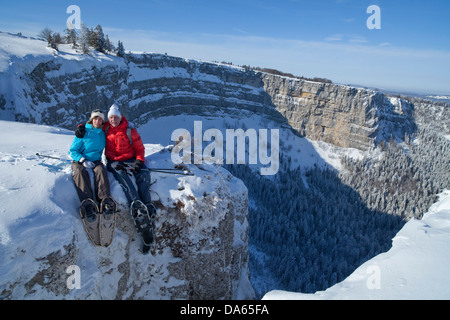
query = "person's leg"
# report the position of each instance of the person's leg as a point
(125, 182)
(143, 184)
(102, 186)
(82, 181)
(143, 181)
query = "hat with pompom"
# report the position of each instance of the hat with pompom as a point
(114, 111)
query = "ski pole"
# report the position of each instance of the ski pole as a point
(172, 172)
(51, 157)
(128, 169)
(166, 169)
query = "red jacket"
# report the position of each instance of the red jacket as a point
(118, 146)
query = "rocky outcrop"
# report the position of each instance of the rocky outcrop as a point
(200, 252)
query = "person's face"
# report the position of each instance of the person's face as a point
(97, 122)
(114, 120)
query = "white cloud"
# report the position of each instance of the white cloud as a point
(335, 37)
(351, 38)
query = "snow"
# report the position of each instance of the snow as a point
(12, 48)
(416, 267)
(140, 74)
(30, 52)
(26, 184)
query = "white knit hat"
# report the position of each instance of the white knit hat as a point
(97, 113)
(114, 111)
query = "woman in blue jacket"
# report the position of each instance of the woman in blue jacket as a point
(87, 153)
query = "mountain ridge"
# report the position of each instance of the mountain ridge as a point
(60, 88)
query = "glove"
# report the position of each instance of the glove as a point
(80, 131)
(118, 166)
(88, 164)
(138, 166)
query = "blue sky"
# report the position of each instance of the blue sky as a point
(312, 38)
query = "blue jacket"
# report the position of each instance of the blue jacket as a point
(90, 146)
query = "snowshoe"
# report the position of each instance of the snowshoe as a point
(143, 222)
(91, 220)
(108, 209)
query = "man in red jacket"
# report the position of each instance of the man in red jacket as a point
(125, 154)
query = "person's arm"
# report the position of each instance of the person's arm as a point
(76, 150)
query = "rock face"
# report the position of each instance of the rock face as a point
(205, 225)
(60, 90)
(212, 238)
(342, 115)
(201, 249)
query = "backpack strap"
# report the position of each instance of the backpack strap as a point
(128, 132)
(129, 135)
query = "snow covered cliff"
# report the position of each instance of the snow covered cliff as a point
(201, 249)
(41, 85)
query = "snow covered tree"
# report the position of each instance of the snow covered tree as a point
(120, 49)
(46, 34)
(84, 39)
(53, 39)
(108, 44)
(71, 37)
(312, 236)
(100, 41)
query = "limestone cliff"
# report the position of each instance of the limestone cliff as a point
(62, 88)
(342, 115)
